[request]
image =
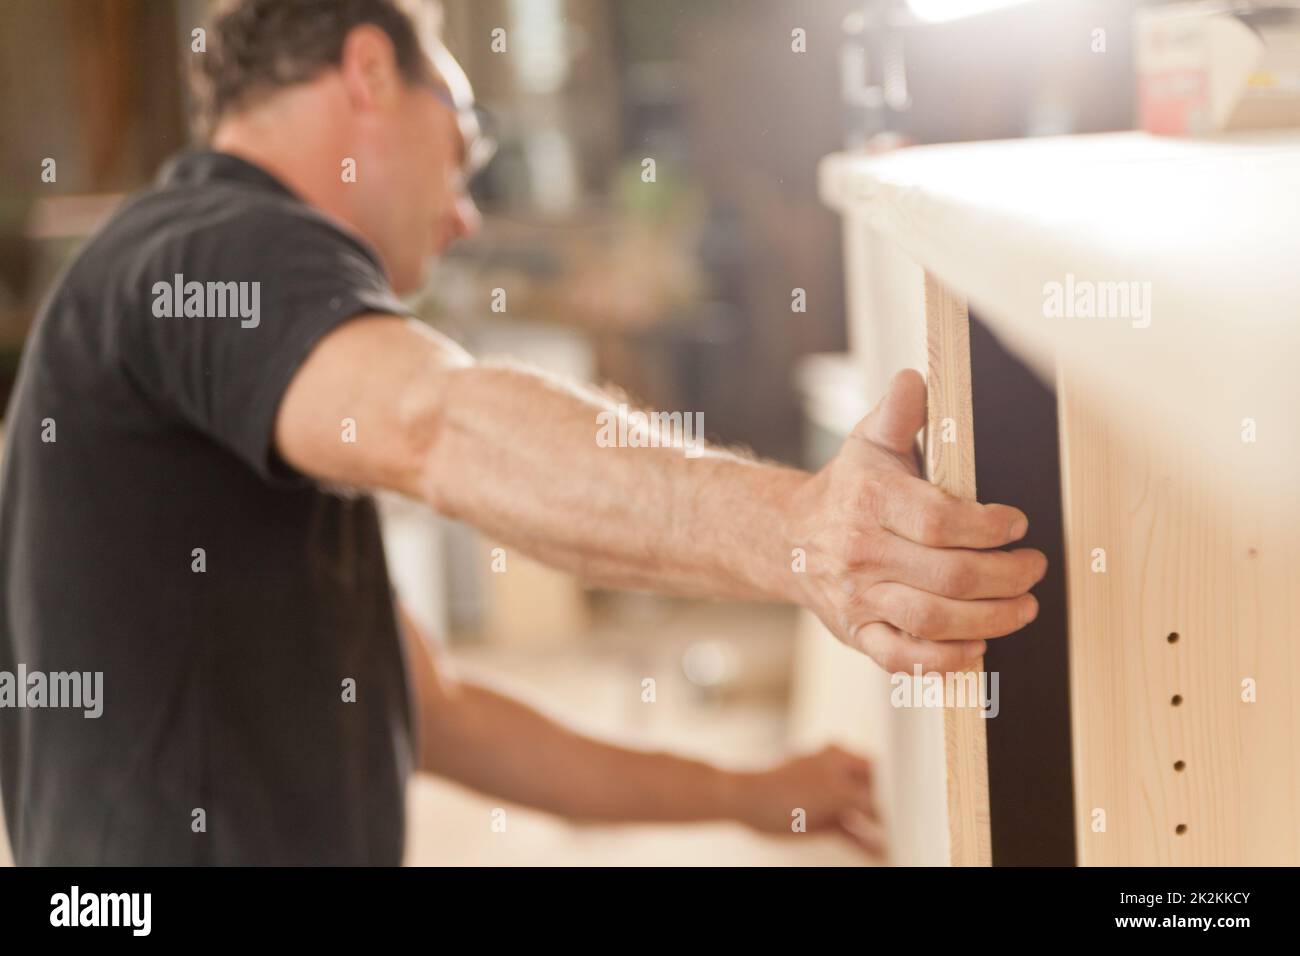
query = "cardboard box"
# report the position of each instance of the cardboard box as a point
(1215, 66)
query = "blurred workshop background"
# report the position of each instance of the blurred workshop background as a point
(683, 293)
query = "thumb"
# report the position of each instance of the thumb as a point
(893, 423)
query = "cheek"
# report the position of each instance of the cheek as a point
(419, 180)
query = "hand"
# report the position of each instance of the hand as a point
(894, 566)
(833, 788)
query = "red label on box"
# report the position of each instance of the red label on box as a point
(1173, 102)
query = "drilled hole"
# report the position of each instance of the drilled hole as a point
(1173, 637)
(1180, 829)
(1176, 699)
(1180, 765)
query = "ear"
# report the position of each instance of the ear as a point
(369, 67)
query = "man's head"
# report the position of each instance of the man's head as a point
(315, 89)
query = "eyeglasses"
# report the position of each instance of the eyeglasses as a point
(476, 130)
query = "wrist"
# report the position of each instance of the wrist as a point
(732, 795)
(756, 503)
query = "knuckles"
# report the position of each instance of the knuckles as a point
(959, 579)
(906, 610)
(864, 551)
(931, 525)
(920, 617)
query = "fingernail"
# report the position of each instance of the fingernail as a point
(1019, 527)
(1029, 611)
(976, 648)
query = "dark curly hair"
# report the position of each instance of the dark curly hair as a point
(254, 46)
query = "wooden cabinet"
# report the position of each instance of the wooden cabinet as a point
(1145, 294)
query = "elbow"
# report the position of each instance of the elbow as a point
(429, 430)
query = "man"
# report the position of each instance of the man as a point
(174, 517)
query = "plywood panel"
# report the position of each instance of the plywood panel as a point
(840, 694)
(1197, 596)
(951, 466)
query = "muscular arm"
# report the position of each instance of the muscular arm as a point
(514, 453)
(883, 558)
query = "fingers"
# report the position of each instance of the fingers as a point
(936, 618)
(895, 651)
(893, 423)
(859, 817)
(862, 791)
(912, 507)
(855, 768)
(915, 509)
(855, 774)
(863, 831)
(963, 573)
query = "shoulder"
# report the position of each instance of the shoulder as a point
(228, 216)
(220, 231)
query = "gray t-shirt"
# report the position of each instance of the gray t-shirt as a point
(150, 534)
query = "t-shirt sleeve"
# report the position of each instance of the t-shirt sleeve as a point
(228, 317)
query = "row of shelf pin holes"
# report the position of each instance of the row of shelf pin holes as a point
(1176, 701)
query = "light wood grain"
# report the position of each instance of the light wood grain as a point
(1201, 530)
(951, 466)
(1210, 570)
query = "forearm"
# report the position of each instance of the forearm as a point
(516, 455)
(497, 745)
(890, 564)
